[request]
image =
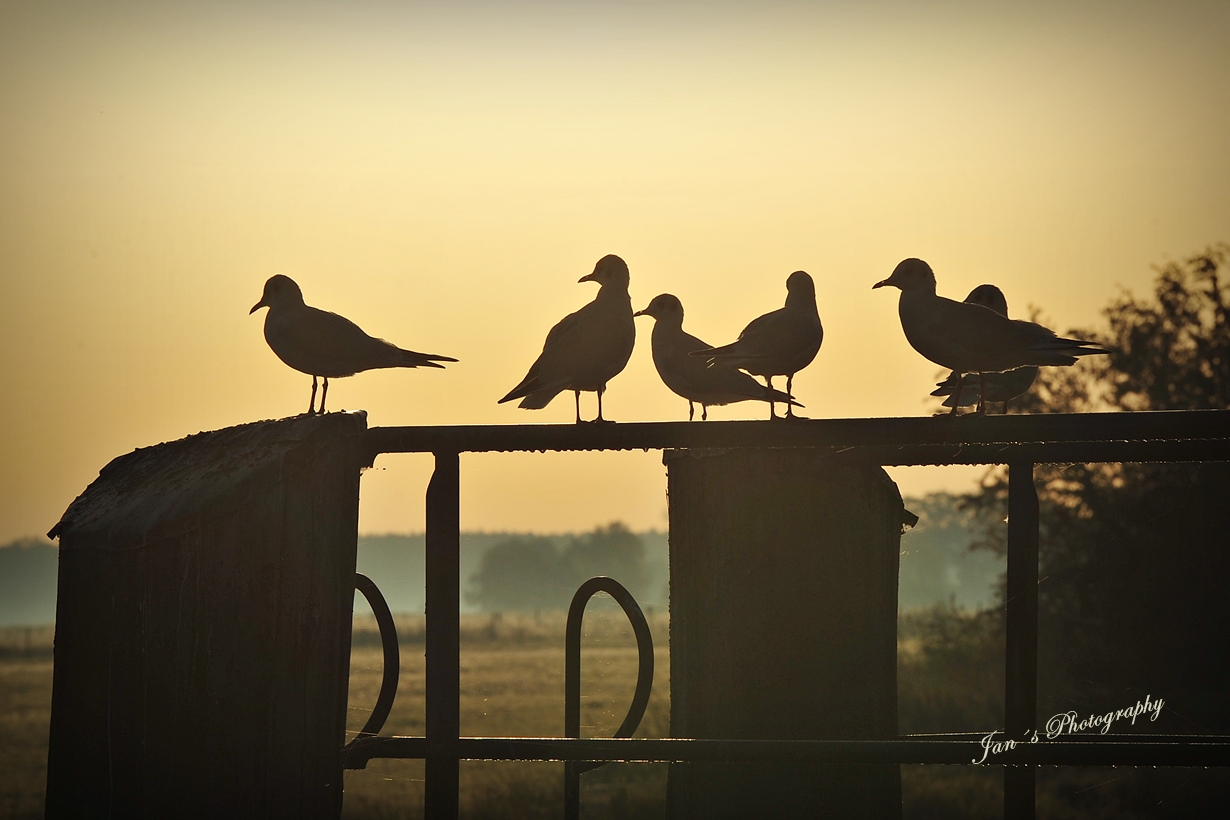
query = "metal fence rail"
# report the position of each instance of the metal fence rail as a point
(1018, 441)
(1118, 750)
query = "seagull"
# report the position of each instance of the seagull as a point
(586, 349)
(691, 377)
(320, 343)
(970, 338)
(780, 343)
(993, 387)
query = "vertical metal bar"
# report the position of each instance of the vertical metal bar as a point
(443, 639)
(572, 702)
(1021, 678)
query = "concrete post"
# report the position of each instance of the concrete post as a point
(203, 627)
(783, 574)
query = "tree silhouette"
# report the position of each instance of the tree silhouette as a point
(1134, 557)
(534, 572)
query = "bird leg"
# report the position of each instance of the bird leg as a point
(312, 403)
(704, 412)
(790, 394)
(957, 403)
(982, 394)
(601, 390)
(691, 410)
(577, 393)
(324, 393)
(768, 380)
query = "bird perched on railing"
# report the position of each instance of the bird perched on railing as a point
(995, 388)
(970, 338)
(780, 343)
(323, 344)
(586, 349)
(692, 377)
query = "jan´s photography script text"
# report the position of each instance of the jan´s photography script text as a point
(1067, 723)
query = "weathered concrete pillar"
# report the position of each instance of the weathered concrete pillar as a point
(783, 572)
(203, 627)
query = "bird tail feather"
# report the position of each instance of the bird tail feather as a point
(539, 399)
(711, 352)
(781, 398)
(408, 358)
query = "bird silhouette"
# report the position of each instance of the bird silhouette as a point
(691, 377)
(585, 349)
(780, 343)
(969, 338)
(323, 344)
(991, 388)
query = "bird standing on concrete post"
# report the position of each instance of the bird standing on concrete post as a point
(323, 344)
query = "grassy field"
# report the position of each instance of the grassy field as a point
(512, 683)
(950, 675)
(512, 679)
(25, 715)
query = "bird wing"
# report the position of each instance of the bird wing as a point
(783, 341)
(974, 326)
(592, 348)
(321, 343)
(965, 337)
(563, 330)
(559, 354)
(971, 338)
(582, 351)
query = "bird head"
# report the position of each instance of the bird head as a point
(610, 270)
(989, 296)
(799, 286)
(911, 274)
(663, 306)
(279, 290)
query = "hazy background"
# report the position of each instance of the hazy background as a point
(443, 173)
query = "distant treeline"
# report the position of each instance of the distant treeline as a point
(533, 572)
(28, 570)
(521, 571)
(526, 571)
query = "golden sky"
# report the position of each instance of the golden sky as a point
(443, 173)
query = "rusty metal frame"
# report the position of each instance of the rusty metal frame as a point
(1018, 441)
(573, 769)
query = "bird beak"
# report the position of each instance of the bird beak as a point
(589, 277)
(640, 313)
(881, 283)
(257, 306)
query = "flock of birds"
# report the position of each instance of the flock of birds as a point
(586, 349)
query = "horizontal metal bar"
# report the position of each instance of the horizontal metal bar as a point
(1197, 428)
(1061, 452)
(1119, 751)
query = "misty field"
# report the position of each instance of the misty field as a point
(512, 683)
(512, 678)
(950, 673)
